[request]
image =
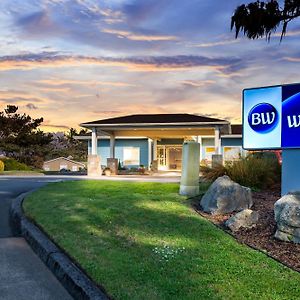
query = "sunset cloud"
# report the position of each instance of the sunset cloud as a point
(139, 37)
(147, 63)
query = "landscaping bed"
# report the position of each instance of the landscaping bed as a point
(144, 241)
(262, 236)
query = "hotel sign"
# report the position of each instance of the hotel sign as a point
(271, 117)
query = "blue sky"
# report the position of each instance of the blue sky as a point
(75, 61)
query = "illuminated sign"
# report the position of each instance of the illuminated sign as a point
(271, 117)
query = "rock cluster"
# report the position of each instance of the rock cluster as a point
(287, 217)
(226, 196)
(246, 218)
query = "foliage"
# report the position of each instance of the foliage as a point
(261, 19)
(66, 145)
(20, 137)
(11, 164)
(252, 171)
(143, 241)
(1, 166)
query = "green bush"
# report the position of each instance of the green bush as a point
(11, 164)
(1, 166)
(254, 172)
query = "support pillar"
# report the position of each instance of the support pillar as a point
(112, 146)
(154, 167)
(154, 149)
(150, 150)
(94, 141)
(290, 171)
(217, 140)
(94, 160)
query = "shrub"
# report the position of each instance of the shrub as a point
(11, 164)
(1, 166)
(254, 172)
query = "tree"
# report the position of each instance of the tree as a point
(67, 146)
(20, 137)
(260, 19)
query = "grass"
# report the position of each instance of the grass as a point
(143, 241)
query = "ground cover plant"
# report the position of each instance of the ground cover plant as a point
(252, 171)
(144, 241)
(11, 164)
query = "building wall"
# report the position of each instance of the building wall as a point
(103, 149)
(231, 142)
(56, 165)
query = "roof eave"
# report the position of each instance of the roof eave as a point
(88, 125)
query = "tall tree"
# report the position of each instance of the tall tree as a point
(20, 137)
(260, 19)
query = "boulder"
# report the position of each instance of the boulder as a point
(287, 217)
(226, 196)
(246, 218)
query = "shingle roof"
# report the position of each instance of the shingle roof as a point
(236, 129)
(156, 119)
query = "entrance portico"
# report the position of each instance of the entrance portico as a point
(163, 136)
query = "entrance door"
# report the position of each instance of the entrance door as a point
(174, 157)
(169, 157)
(162, 157)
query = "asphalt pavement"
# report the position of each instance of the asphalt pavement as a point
(22, 274)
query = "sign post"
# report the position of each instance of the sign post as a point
(271, 121)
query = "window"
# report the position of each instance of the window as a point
(47, 168)
(63, 167)
(131, 156)
(74, 168)
(232, 153)
(209, 151)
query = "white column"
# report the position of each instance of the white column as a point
(112, 146)
(94, 141)
(150, 150)
(154, 149)
(217, 140)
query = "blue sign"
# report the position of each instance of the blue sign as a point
(271, 117)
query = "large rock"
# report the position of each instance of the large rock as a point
(226, 196)
(246, 218)
(287, 217)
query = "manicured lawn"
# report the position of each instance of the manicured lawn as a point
(143, 241)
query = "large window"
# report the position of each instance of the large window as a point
(232, 153)
(131, 156)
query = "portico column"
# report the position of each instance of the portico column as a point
(217, 140)
(94, 141)
(154, 149)
(112, 146)
(150, 150)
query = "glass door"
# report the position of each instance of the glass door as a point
(162, 157)
(174, 155)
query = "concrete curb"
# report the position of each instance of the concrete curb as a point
(76, 282)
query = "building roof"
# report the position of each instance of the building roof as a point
(67, 159)
(156, 119)
(236, 129)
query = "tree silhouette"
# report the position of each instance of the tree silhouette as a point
(260, 19)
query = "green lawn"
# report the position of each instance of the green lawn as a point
(143, 241)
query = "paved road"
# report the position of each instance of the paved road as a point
(22, 274)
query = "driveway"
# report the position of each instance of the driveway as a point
(22, 274)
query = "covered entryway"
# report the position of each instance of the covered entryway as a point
(155, 140)
(169, 158)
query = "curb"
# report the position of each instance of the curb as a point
(75, 281)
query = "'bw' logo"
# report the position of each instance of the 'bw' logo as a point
(263, 118)
(293, 123)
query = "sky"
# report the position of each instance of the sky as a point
(73, 61)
